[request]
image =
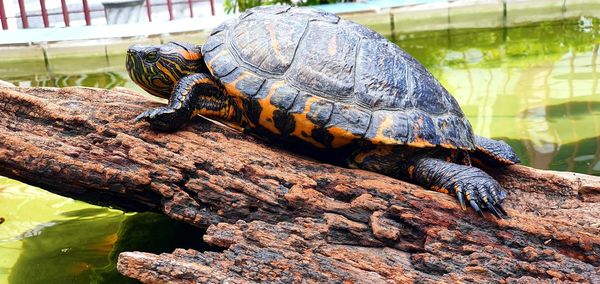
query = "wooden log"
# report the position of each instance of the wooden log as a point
(287, 218)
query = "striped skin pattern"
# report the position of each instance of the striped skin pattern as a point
(334, 87)
(158, 68)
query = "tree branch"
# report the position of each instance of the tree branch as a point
(285, 217)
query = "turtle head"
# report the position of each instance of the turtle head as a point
(157, 68)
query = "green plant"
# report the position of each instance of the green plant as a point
(233, 6)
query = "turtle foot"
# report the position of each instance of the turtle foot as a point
(481, 193)
(471, 185)
(162, 118)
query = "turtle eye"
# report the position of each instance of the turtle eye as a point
(151, 56)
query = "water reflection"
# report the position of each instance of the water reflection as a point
(536, 86)
(582, 156)
(85, 249)
(106, 80)
(46, 238)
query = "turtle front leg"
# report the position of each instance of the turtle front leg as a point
(183, 102)
(469, 184)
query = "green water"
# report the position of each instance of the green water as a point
(536, 87)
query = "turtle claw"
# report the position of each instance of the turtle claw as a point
(482, 195)
(501, 209)
(151, 114)
(475, 207)
(461, 199)
(496, 212)
(143, 115)
(162, 118)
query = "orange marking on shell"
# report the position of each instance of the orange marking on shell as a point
(209, 63)
(341, 137)
(447, 146)
(304, 127)
(268, 109)
(210, 70)
(238, 97)
(379, 137)
(419, 142)
(275, 43)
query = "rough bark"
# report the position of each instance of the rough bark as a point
(283, 217)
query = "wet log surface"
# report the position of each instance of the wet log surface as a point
(287, 218)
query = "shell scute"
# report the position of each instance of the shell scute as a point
(428, 94)
(269, 106)
(325, 64)
(347, 123)
(376, 86)
(266, 43)
(244, 80)
(307, 117)
(388, 127)
(220, 62)
(423, 132)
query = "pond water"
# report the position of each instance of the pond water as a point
(535, 87)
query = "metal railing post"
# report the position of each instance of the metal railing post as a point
(191, 8)
(65, 12)
(212, 7)
(44, 13)
(170, 8)
(86, 12)
(23, 14)
(149, 10)
(3, 16)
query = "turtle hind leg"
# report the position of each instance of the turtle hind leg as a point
(470, 185)
(494, 152)
(182, 104)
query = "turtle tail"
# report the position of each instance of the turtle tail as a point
(494, 152)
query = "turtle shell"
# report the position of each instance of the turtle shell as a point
(307, 74)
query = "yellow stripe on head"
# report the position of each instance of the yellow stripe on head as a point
(157, 69)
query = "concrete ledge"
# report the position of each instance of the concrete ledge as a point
(520, 12)
(489, 13)
(376, 20)
(392, 18)
(578, 8)
(425, 17)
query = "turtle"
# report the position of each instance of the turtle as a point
(310, 79)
